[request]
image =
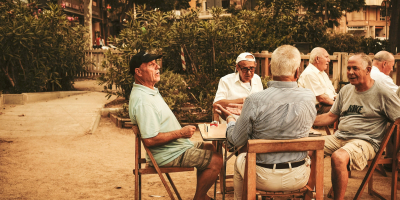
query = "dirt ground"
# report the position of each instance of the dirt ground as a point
(99, 166)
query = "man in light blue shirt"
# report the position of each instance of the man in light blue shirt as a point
(161, 131)
(283, 111)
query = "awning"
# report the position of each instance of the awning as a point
(378, 27)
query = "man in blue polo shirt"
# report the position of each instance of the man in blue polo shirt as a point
(161, 131)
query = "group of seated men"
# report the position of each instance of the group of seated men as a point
(287, 109)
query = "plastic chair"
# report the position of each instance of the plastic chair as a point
(315, 144)
(146, 169)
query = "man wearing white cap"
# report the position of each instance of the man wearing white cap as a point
(235, 87)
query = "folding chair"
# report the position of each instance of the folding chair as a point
(138, 171)
(315, 144)
(378, 160)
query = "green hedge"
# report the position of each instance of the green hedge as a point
(39, 50)
(211, 46)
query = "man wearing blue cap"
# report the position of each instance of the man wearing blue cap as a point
(161, 131)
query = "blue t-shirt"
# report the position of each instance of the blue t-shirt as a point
(149, 111)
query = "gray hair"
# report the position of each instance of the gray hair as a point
(365, 60)
(383, 56)
(317, 51)
(285, 60)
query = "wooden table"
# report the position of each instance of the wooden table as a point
(217, 134)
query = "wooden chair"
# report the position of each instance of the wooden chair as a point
(315, 144)
(139, 170)
(378, 160)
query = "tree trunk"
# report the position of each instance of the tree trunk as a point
(394, 26)
(88, 22)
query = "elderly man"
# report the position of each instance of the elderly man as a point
(315, 79)
(283, 111)
(161, 131)
(382, 65)
(234, 88)
(365, 107)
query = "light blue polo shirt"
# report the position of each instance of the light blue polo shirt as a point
(149, 111)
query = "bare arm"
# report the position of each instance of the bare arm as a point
(325, 119)
(323, 98)
(165, 138)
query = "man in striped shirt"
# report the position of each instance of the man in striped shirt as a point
(283, 111)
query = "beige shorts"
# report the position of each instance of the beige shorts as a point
(360, 151)
(193, 157)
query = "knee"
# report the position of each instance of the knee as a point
(340, 158)
(209, 146)
(216, 161)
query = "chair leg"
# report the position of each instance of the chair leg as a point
(173, 186)
(330, 193)
(140, 186)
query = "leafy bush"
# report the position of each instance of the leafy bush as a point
(118, 74)
(345, 42)
(211, 46)
(172, 88)
(40, 50)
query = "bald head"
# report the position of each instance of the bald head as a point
(384, 61)
(319, 57)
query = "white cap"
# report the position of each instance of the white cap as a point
(242, 57)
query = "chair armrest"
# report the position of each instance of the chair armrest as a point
(302, 144)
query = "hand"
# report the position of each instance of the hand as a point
(188, 131)
(235, 108)
(222, 112)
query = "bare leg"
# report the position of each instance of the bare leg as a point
(207, 177)
(340, 176)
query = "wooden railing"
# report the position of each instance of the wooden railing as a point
(337, 71)
(95, 59)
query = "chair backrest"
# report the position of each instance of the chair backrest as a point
(315, 144)
(375, 161)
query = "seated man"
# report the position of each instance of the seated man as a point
(365, 107)
(161, 131)
(283, 111)
(235, 87)
(315, 79)
(382, 65)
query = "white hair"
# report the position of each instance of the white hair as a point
(365, 60)
(317, 51)
(285, 60)
(383, 56)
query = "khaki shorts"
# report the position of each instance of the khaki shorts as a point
(193, 157)
(360, 151)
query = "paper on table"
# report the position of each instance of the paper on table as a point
(213, 132)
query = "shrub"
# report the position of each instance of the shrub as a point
(40, 51)
(172, 88)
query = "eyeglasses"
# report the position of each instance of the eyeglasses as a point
(247, 69)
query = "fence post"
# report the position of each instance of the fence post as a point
(336, 70)
(264, 65)
(398, 72)
(345, 59)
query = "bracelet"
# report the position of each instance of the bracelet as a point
(230, 116)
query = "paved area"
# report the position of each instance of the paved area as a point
(72, 115)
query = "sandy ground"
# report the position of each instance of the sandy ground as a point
(99, 166)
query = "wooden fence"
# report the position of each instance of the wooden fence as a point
(96, 58)
(337, 71)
